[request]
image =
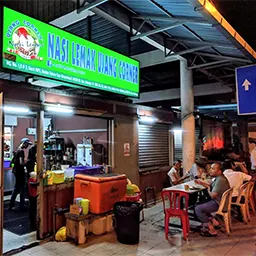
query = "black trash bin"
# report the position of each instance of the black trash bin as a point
(127, 215)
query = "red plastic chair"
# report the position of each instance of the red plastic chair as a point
(175, 198)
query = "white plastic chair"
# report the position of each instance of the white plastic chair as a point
(226, 200)
(250, 200)
(242, 201)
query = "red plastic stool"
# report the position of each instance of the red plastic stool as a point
(175, 198)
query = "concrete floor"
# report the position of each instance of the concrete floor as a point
(152, 242)
(12, 241)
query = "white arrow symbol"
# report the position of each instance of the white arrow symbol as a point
(246, 85)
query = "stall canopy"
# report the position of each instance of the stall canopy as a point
(158, 33)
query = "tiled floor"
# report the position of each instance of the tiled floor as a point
(12, 241)
(152, 242)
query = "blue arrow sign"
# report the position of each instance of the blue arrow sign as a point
(246, 90)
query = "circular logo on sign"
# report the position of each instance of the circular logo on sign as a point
(26, 43)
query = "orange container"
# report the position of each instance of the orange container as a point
(102, 191)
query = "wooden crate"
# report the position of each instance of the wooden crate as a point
(79, 226)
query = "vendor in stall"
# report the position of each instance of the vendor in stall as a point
(19, 172)
(70, 148)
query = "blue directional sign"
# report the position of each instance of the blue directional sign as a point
(246, 90)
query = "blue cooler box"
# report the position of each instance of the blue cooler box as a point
(88, 170)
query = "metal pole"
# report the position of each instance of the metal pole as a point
(156, 30)
(2, 173)
(40, 190)
(90, 5)
(111, 143)
(40, 198)
(187, 115)
(214, 63)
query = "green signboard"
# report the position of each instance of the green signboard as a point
(34, 47)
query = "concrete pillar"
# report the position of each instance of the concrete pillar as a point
(187, 115)
(126, 131)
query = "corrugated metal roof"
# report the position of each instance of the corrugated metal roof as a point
(43, 10)
(140, 46)
(178, 8)
(113, 37)
(103, 33)
(79, 28)
(109, 35)
(142, 7)
(191, 31)
(12, 77)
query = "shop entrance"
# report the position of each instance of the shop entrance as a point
(19, 141)
(69, 140)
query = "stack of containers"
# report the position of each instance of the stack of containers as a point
(102, 190)
(83, 203)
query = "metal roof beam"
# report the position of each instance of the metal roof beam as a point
(218, 66)
(211, 44)
(83, 7)
(173, 94)
(187, 51)
(172, 19)
(155, 31)
(71, 18)
(227, 76)
(153, 58)
(121, 19)
(223, 57)
(214, 63)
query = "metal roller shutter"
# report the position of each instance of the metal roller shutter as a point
(153, 146)
(178, 144)
(197, 143)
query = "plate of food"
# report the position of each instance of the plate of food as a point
(194, 188)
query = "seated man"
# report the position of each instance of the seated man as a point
(197, 170)
(174, 173)
(216, 189)
(235, 178)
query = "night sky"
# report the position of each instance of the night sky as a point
(241, 15)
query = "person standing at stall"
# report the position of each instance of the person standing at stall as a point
(31, 159)
(19, 172)
(32, 193)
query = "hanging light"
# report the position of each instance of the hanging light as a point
(59, 109)
(177, 131)
(13, 109)
(147, 119)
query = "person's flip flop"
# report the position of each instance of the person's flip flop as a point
(207, 234)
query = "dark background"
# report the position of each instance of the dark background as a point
(241, 15)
